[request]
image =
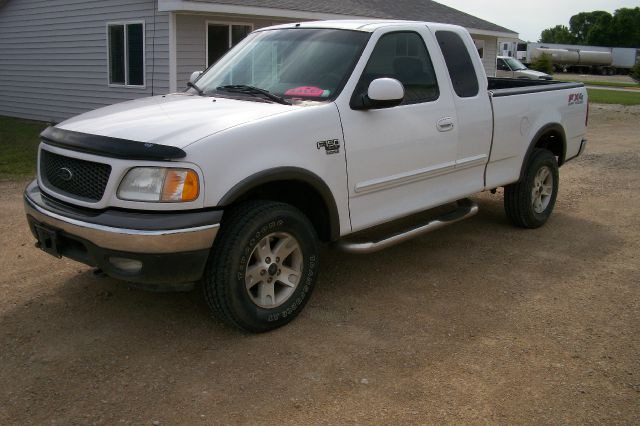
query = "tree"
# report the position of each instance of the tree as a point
(598, 28)
(559, 34)
(543, 63)
(600, 33)
(626, 27)
(581, 24)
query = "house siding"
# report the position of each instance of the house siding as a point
(490, 53)
(54, 60)
(191, 44)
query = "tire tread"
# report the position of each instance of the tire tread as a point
(215, 291)
(220, 261)
(517, 196)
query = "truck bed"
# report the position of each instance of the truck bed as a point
(523, 108)
(511, 86)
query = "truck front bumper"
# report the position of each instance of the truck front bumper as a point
(144, 247)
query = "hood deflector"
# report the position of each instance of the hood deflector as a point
(110, 147)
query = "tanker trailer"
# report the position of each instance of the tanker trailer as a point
(577, 60)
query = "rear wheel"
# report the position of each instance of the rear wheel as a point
(263, 266)
(529, 203)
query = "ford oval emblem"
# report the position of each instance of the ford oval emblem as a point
(65, 174)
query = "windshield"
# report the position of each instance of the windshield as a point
(305, 64)
(515, 64)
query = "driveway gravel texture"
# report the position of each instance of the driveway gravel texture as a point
(478, 323)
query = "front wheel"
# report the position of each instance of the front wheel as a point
(529, 203)
(263, 266)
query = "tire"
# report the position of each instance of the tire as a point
(527, 203)
(246, 284)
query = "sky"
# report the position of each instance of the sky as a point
(529, 18)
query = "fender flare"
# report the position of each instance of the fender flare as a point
(545, 129)
(288, 174)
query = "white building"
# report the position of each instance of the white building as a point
(59, 58)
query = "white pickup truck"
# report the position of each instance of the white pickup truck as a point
(303, 133)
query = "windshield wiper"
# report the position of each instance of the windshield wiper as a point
(251, 90)
(197, 89)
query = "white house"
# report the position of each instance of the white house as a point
(59, 58)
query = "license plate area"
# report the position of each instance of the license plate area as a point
(47, 240)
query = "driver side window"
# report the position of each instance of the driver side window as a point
(502, 65)
(403, 56)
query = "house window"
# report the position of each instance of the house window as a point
(222, 37)
(480, 46)
(126, 53)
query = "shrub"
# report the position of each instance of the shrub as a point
(543, 64)
(635, 72)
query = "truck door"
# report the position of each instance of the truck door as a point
(398, 158)
(473, 107)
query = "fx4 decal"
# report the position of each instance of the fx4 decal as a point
(331, 146)
(576, 99)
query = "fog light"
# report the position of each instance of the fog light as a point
(126, 265)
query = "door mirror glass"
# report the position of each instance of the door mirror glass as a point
(194, 76)
(385, 93)
(382, 93)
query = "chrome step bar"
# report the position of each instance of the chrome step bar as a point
(466, 209)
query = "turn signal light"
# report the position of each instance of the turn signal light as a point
(180, 185)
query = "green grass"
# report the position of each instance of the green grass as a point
(602, 83)
(611, 84)
(19, 140)
(599, 96)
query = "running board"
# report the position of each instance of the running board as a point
(466, 209)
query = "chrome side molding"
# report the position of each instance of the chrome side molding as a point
(466, 209)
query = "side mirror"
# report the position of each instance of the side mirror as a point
(382, 93)
(194, 76)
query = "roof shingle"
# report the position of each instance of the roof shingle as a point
(413, 10)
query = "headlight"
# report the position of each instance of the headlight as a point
(159, 184)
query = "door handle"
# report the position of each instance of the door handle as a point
(445, 124)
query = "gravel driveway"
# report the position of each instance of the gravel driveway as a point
(477, 323)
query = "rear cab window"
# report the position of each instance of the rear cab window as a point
(459, 64)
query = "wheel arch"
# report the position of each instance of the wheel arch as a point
(552, 137)
(299, 187)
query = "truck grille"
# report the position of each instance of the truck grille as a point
(73, 177)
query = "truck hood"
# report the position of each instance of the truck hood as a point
(533, 74)
(175, 120)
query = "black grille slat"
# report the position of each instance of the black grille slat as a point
(88, 179)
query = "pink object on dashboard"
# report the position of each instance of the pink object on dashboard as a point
(310, 91)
